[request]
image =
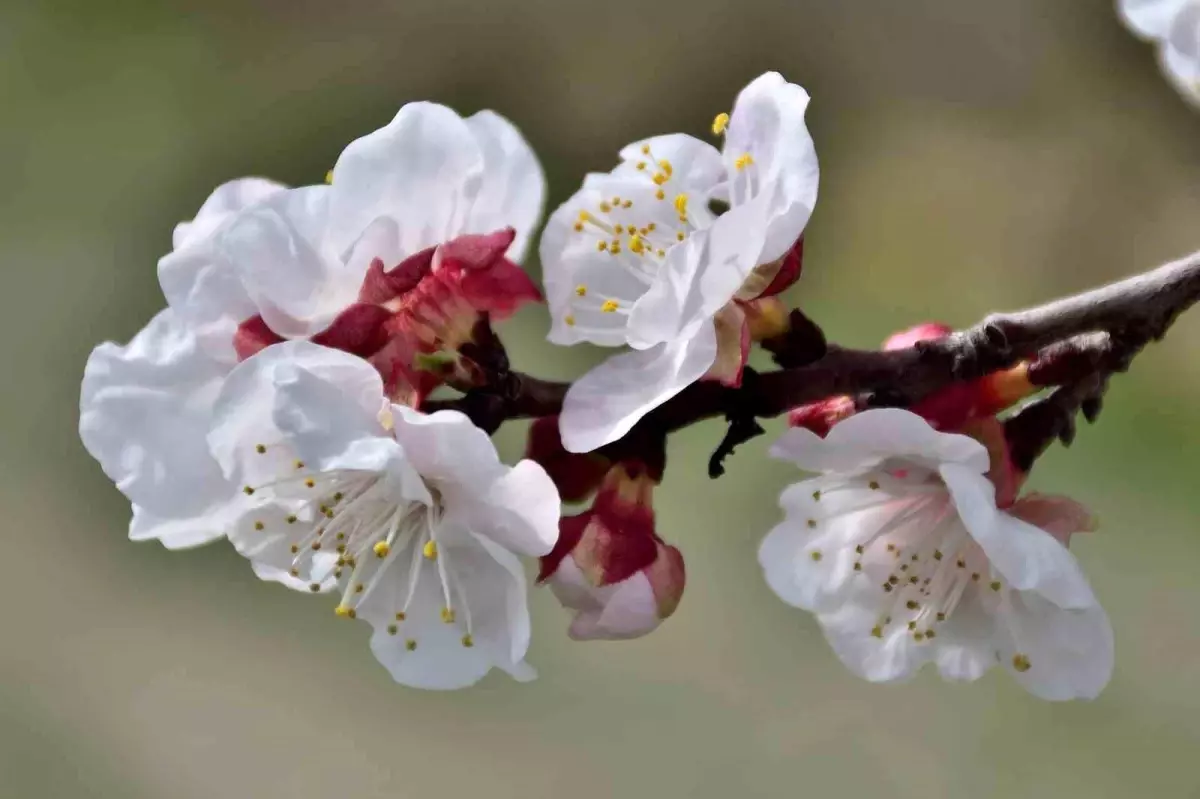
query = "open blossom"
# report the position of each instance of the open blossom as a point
(1174, 25)
(415, 239)
(900, 550)
(609, 565)
(638, 257)
(145, 406)
(412, 517)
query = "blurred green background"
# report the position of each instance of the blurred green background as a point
(975, 156)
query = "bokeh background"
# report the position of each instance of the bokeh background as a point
(975, 156)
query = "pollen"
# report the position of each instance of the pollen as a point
(578, 227)
(344, 612)
(609, 306)
(392, 629)
(666, 167)
(660, 195)
(816, 555)
(448, 615)
(645, 149)
(859, 549)
(605, 207)
(995, 585)
(660, 253)
(294, 572)
(430, 550)
(468, 641)
(811, 523)
(660, 178)
(744, 160)
(911, 605)
(382, 549)
(857, 566)
(299, 464)
(1021, 663)
(261, 449)
(295, 548)
(679, 236)
(937, 554)
(641, 164)
(329, 176)
(601, 246)
(877, 631)
(581, 290)
(358, 588)
(259, 526)
(291, 519)
(316, 547)
(627, 203)
(681, 203)
(873, 485)
(311, 483)
(314, 587)
(411, 645)
(720, 122)
(569, 319)
(614, 247)
(401, 615)
(636, 245)
(248, 491)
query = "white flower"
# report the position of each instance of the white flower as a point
(1174, 25)
(413, 516)
(637, 257)
(145, 407)
(427, 177)
(900, 550)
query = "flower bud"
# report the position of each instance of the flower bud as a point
(610, 566)
(820, 416)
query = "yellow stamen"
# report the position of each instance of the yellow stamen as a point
(609, 306)
(720, 122)
(430, 550)
(744, 160)
(467, 641)
(345, 612)
(581, 290)
(681, 202)
(329, 176)
(410, 645)
(569, 320)
(448, 615)
(382, 549)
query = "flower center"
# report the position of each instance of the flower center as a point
(349, 528)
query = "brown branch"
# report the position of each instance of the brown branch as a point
(1077, 341)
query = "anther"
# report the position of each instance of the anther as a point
(1021, 663)
(744, 160)
(609, 306)
(430, 550)
(720, 122)
(259, 526)
(401, 615)
(995, 585)
(314, 587)
(467, 641)
(812, 523)
(448, 615)
(248, 491)
(411, 644)
(816, 555)
(311, 483)
(382, 549)
(392, 629)
(261, 449)
(345, 612)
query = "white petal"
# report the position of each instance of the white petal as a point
(786, 556)
(965, 644)
(423, 169)
(279, 250)
(768, 123)
(1180, 52)
(1029, 558)
(695, 164)
(513, 189)
(1150, 19)
(176, 533)
(698, 278)
(629, 610)
(519, 510)
(202, 289)
(868, 438)
(144, 411)
(225, 201)
(448, 448)
(608, 401)
(496, 594)
(1070, 652)
(570, 258)
(894, 657)
(325, 404)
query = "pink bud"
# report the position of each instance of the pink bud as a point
(820, 416)
(576, 475)
(610, 566)
(926, 331)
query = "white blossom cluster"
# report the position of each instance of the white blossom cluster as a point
(281, 401)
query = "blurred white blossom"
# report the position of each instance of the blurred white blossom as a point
(1174, 26)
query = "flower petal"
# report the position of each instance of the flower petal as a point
(1059, 516)
(629, 610)
(519, 510)
(494, 586)
(513, 189)
(767, 122)
(891, 657)
(1150, 19)
(695, 165)
(278, 248)
(1057, 654)
(608, 401)
(201, 288)
(144, 410)
(1029, 558)
(423, 169)
(866, 439)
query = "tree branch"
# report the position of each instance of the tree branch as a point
(1077, 341)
